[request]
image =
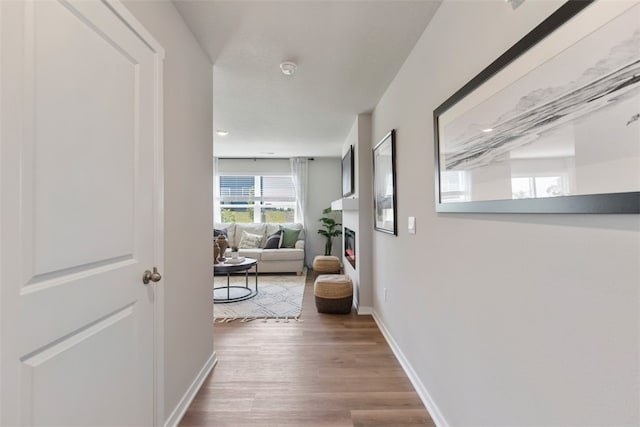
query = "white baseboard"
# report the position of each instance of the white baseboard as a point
(431, 406)
(183, 405)
(365, 310)
(361, 309)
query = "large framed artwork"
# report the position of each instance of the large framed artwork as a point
(384, 185)
(552, 125)
(348, 181)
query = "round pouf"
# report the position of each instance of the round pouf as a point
(326, 264)
(334, 293)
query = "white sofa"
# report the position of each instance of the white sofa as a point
(283, 260)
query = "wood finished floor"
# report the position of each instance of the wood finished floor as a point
(329, 370)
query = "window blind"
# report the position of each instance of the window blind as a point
(257, 188)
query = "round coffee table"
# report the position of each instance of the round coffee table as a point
(224, 294)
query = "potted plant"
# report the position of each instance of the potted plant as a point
(331, 229)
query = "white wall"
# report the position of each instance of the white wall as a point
(361, 220)
(188, 167)
(254, 166)
(324, 186)
(506, 319)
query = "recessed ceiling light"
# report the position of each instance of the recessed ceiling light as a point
(288, 68)
(222, 132)
(487, 130)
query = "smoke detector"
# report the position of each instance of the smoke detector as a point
(288, 68)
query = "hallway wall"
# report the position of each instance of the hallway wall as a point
(506, 319)
(188, 193)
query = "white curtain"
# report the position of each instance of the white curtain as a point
(216, 190)
(299, 167)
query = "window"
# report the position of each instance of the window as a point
(538, 186)
(455, 186)
(258, 198)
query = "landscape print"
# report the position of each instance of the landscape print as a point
(593, 84)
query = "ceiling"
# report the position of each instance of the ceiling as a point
(347, 54)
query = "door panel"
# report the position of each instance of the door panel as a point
(85, 119)
(46, 373)
(78, 143)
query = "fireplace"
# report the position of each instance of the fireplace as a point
(350, 246)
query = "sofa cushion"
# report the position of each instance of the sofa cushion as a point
(219, 231)
(274, 240)
(251, 253)
(250, 241)
(272, 227)
(282, 254)
(289, 237)
(252, 228)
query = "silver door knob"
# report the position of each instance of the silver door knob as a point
(151, 276)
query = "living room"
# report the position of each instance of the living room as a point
(497, 318)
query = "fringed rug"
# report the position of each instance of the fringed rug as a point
(279, 297)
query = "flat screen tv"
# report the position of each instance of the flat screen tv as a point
(348, 173)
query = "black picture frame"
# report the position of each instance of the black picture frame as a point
(385, 215)
(460, 150)
(348, 177)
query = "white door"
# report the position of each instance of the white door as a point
(79, 141)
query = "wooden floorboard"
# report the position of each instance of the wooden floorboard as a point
(326, 371)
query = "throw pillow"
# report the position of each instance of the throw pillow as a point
(219, 231)
(289, 237)
(274, 240)
(249, 241)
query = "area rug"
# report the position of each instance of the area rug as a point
(279, 297)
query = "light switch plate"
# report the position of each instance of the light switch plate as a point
(411, 225)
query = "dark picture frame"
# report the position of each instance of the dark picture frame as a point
(550, 126)
(384, 185)
(348, 173)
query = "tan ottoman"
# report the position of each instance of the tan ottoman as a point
(334, 293)
(326, 264)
